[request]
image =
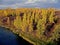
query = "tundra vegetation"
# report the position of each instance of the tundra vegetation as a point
(38, 26)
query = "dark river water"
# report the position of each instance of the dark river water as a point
(9, 38)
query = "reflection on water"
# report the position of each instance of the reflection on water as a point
(8, 38)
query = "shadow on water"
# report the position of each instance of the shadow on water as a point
(22, 41)
(9, 38)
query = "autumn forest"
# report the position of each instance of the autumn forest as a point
(38, 26)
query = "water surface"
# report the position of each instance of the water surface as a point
(9, 38)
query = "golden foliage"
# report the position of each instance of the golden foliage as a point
(26, 19)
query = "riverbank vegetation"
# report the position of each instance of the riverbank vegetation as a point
(38, 26)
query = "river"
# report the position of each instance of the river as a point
(9, 38)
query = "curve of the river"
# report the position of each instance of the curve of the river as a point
(9, 38)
